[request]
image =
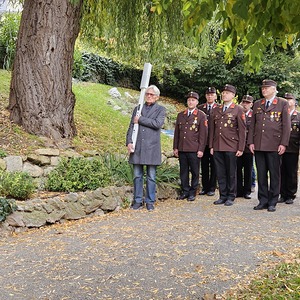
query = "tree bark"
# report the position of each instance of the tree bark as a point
(41, 98)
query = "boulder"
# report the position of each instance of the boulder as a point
(14, 163)
(47, 152)
(41, 160)
(33, 170)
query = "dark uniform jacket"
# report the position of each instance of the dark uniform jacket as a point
(248, 122)
(293, 146)
(270, 127)
(227, 130)
(190, 133)
(204, 107)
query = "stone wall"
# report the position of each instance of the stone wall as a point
(39, 212)
(40, 163)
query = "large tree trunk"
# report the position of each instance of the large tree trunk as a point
(41, 98)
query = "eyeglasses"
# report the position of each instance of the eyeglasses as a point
(150, 94)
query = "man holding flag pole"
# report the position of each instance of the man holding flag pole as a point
(143, 142)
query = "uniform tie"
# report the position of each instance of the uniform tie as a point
(209, 108)
(225, 107)
(268, 104)
(189, 113)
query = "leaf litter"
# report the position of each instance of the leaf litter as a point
(180, 251)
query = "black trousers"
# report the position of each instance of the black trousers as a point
(244, 174)
(268, 163)
(289, 175)
(225, 163)
(189, 163)
(208, 171)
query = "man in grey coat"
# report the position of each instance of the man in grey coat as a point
(147, 151)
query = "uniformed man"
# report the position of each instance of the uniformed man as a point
(190, 138)
(289, 167)
(227, 136)
(208, 172)
(268, 138)
(245, 162)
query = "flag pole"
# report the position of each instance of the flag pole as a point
(143, 86)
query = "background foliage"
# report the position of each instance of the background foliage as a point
(196, 69)
(9, 27)
(176, 80)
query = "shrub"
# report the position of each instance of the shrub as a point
(81, 174)
(9, 27)
(18, 185)
(7, 207)
(2, 153)
(78, 65)
(121, 170)
(78, 174)
(167, 175)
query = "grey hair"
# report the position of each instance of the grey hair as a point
(154, 88)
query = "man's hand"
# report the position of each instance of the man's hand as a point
(136, 119)
(239, 153)
(211, 151)
(281, 149)
(199, 154)
(175, 152)
(252, 148)
(130, 148)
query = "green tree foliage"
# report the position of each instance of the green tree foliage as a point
(131, 32)
(9, 26)
(256, 26)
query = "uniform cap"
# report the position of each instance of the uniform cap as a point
(211, 90)
(289, 96)
(247, 98)
(269, 82)
(193, 95)
(229, 88)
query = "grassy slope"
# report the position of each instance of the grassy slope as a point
(99, 126)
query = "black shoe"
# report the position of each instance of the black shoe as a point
(281, 200)
(211, 193)
(219, 201)
(247, 196)
(289, 201)
(191, 198)
(137, 206)
(259, 207)
(228, 203)
(202, 193)
(182, 197)
(149, 206)
(271, 208)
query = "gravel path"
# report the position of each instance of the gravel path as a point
(181, 250)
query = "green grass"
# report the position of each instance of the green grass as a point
(279, 283)
(99, 126)
(5, 82)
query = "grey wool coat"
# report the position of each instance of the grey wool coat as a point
(148, 148)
